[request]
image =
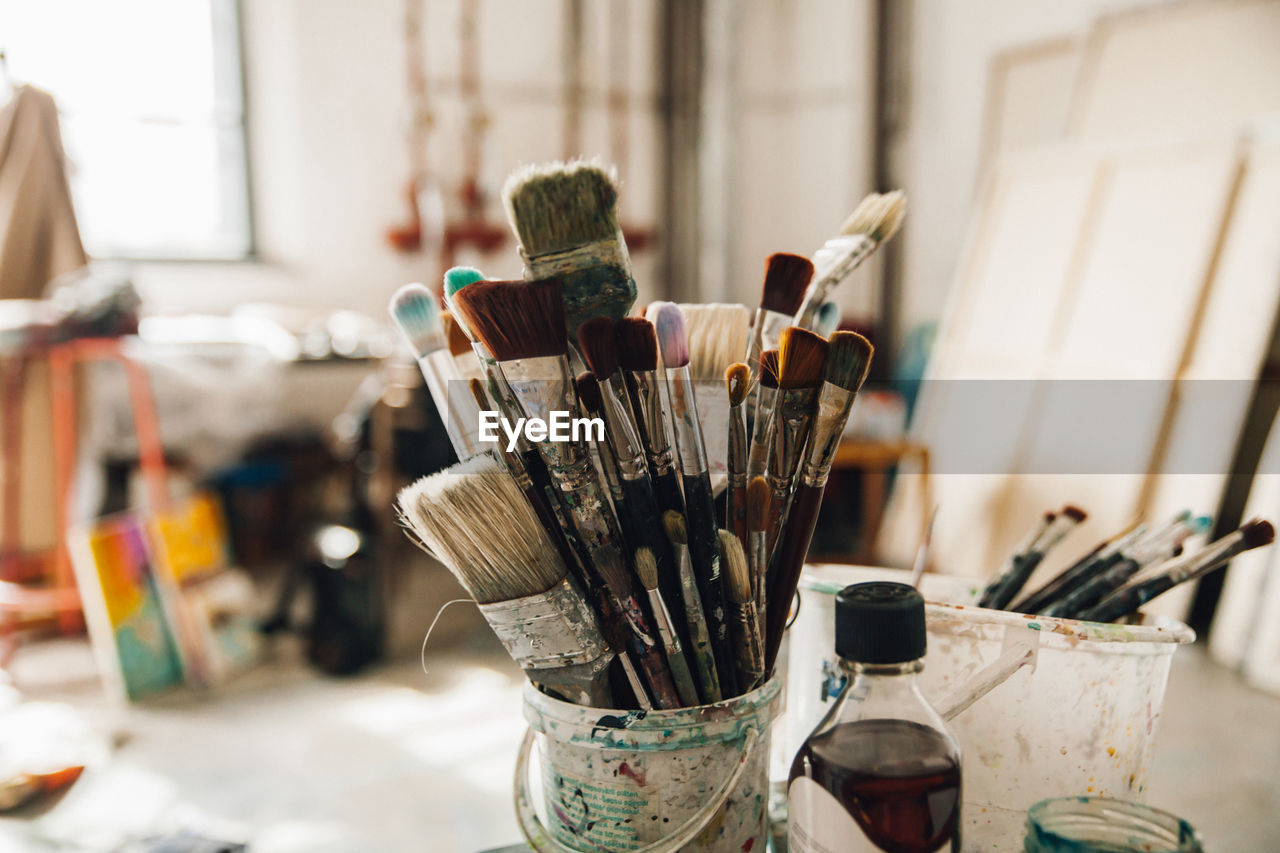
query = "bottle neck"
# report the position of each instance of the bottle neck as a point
(882, 686)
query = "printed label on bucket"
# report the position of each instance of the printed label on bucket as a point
(593, 811)
(819, 823)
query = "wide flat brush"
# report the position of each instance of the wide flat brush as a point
(698, 500)
(1126, 600)
(785, 278)
(565, 216)
(474, 518)
(699, 644)
(417, 314)
(875, 219)
(522, 324)
(847, 362)
(744, 617)
(1158, 547)
(647, 572)
(637, 348)
(765, 400)
(718, 333)
(802, 358)
(737, 379)
(1107, 553)
(1009, 583)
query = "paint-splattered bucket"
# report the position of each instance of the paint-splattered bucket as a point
(651, 781)
(1042, 707)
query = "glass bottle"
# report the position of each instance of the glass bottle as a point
(880, 772)
(1101, 825)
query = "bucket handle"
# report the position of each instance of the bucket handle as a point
(538, 838)
(1018, 652)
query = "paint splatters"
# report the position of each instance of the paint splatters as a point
(1111, 750)
(1034, 626)
(625, 770)
(748, 844)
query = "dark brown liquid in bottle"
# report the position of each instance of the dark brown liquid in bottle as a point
(899, 780)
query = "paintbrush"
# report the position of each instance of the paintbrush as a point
(801, 359)
(637, 349)
(647, 572)
(417, 314)
(698, 501)
(757, 524)
(597, 344)
(1106, 554)
(828, 319)
(455, 280)
(766, 399)
(565, 216)
(1127, 599)
(522, 324)
(848, 358)
(474, 518)
(922, 553)
(745, 618)
(872, 223)
(1160, 546)
(718, 335)
(1009, 583)
(785, 278)
(737, 379)
(699, 644)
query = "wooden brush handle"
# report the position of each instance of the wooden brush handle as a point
(704, 552)
(786, 564)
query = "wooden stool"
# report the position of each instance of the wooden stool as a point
(58, 595)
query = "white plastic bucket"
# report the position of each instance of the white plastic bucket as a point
(1042, 707)
(688, 779)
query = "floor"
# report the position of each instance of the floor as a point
(398, 759)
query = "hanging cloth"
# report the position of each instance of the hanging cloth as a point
(39, 240)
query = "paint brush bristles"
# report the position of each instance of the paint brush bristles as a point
(717, 335)
(474, 519)
(516, 320)
(785, 278)
(748, 644)
(876, 219)
(417, 314)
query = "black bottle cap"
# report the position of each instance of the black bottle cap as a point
(880, 622)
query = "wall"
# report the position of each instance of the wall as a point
(327, 106)
(953, 45)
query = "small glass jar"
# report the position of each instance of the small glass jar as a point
(1102, 825)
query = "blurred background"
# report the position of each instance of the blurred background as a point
(205, 206)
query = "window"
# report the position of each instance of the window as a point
(151, 104)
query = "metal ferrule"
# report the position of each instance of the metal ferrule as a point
(499, 390)
(766, 399)
(766, 330)
(749, 650)
(662, 623)
(684, 422)
(541, 386)
(737, 451)
(620, 426)
(551, 629)
(609, 467)
(791, 420)
(832, 264)
(647, 395)
(611, 252)
(829, 419)
(1225, 548)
